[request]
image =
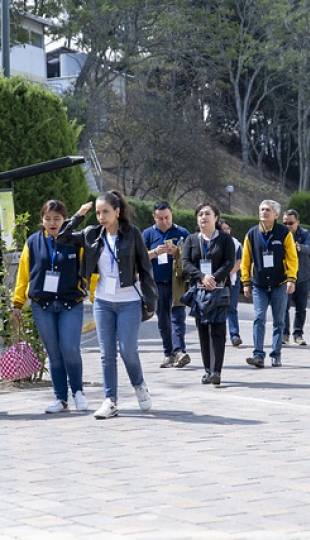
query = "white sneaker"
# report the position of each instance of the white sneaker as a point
(143, 396)
(57, 407)
(80, 401)
(107, 409)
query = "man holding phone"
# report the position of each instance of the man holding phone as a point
(164, 240)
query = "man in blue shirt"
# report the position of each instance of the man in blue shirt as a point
(163, 240)
(300, 295)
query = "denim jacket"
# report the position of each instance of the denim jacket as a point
(131, 255)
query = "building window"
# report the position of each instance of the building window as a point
(36, 39)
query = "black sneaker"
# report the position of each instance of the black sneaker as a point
(276, 362)
(256, 361)
(215, 378)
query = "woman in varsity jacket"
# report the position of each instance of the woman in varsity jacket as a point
(48, 274)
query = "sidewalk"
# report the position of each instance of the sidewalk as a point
(227, 463)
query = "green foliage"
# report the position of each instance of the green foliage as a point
(143, 218)
(34, 128)
(301, 202)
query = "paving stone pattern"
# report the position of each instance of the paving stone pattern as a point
(227, 463)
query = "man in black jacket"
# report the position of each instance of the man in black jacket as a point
(300, 295)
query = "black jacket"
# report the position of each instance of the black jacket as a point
(221, 252)
(131, 255)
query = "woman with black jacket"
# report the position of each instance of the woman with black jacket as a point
(208, 257)
(115, 254)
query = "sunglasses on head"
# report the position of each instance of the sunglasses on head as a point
(289, 222)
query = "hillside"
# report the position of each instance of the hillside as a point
(248, 192)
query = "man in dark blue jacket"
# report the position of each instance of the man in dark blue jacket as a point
(300, 295)
(268, 271)
(163, 240)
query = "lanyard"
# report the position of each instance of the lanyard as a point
(163, 235)
(52, 250)
(265, 242)
(112, 252)
(206, 245)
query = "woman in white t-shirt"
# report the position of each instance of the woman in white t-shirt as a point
(115, 251)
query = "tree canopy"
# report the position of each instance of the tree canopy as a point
(34, 128)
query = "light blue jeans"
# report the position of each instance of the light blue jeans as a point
(118, 321)
(277, 298)
(60, 329)
(233, 319)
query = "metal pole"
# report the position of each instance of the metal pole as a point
(5, 37)
(229, 202)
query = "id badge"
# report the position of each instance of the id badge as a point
(51, 281)
(110, 285)
(206, 267)
(163, 258)
(268, 260)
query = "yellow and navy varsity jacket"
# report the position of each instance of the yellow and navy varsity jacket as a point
(280, 242)
(36, 260)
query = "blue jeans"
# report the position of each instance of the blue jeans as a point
(300, 299)
(277, 298)
(171, 321)
(118, 321)
(60, 329)
(233, 320)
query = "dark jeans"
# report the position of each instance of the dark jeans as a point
(171, 321)
(299, 298)
(212, 343)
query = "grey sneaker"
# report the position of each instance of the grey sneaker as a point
(205, 379)
(285, 339)
(276, 362)
(256, 361)
(236, 341)
(57, 407)
(107, 410)
(215, 378)
(168, 361)
(181, 359)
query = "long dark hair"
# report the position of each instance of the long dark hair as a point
(53, 205)
(116, 200)
(215, 210)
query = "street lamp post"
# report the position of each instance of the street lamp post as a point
(230, 190)
(5, 37)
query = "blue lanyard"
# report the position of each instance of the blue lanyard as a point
(112, 253)
(52, 250)
(265, 242)
(163, 235)
(206, 245)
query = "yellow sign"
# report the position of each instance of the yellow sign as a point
(7, 217)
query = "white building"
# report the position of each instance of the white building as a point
(63, 67)
(29, 60)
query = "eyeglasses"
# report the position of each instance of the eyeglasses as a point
(289, 222)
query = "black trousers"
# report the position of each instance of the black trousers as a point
(212, 339)
(300, 299)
